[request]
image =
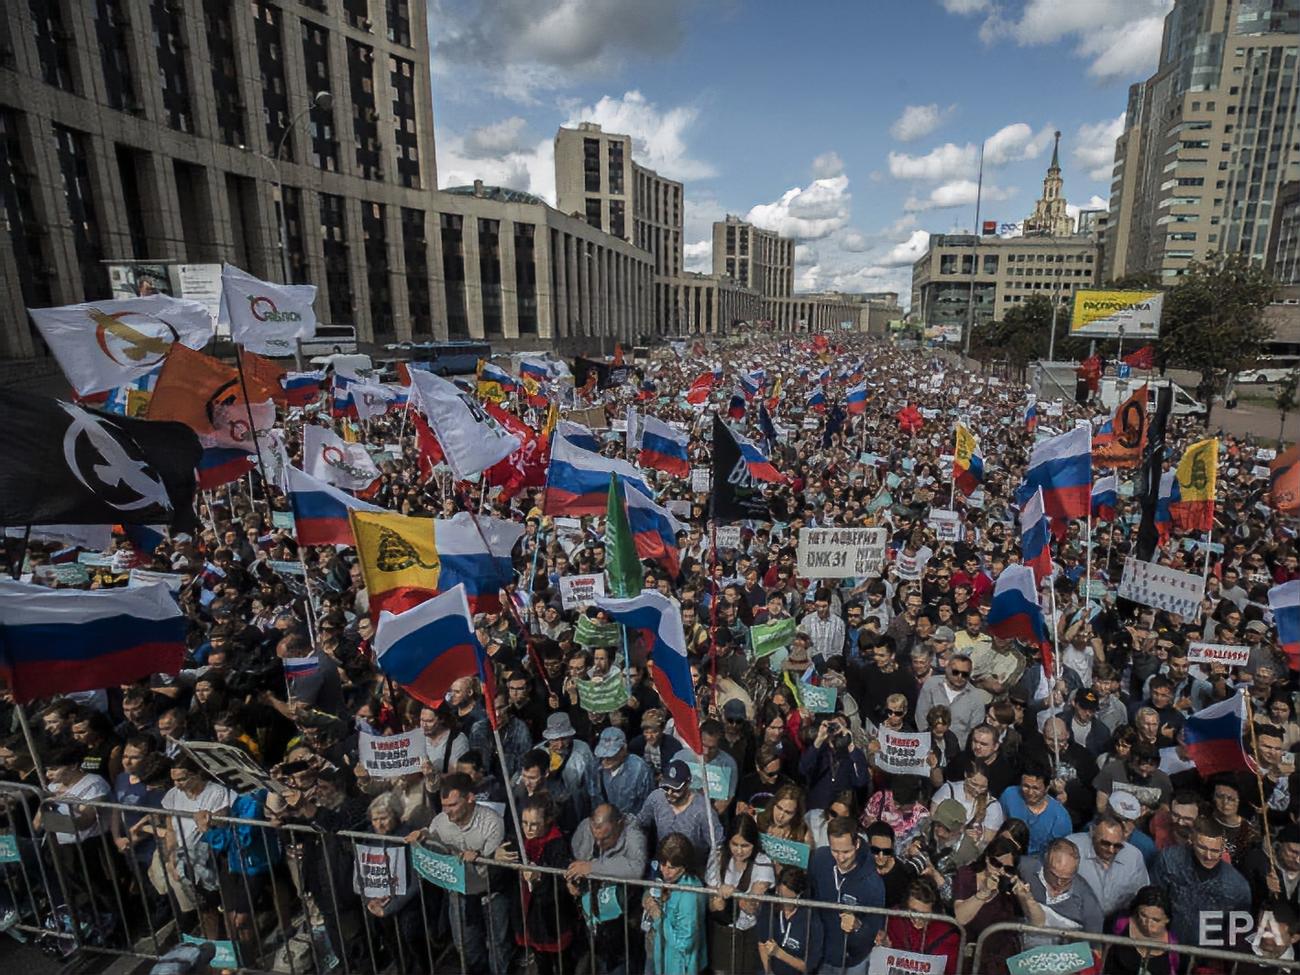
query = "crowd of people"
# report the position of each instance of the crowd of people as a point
(1059, 797)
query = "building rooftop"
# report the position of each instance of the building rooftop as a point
(502, 194)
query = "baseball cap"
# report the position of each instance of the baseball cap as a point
(1125, 805)
(1087, 699)
(677, 775)
(611, 742)
(1257, 626)
(950, 814)
(734, 710)
(945, 634)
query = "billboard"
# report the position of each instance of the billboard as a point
(1103, 314)
(197, 282)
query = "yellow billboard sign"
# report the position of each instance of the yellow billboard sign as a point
(1109, 314)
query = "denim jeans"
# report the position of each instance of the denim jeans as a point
(480, 930)
(859, 969)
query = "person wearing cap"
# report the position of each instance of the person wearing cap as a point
(1083, 725)
(571, 759)
(1275, 877)
(622, 780)
(675, 807)
(1111, 867)
(943, 845)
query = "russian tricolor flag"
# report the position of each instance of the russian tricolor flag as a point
(577, 481)
(221, 465)
(429, 646)
(736, 408)
(341, 402)
(1031, 416)
(1015, 613)
(856, 399)
(296, 668)
(760, 468)
(474, 553)
(1062, 468)
(534, 370)
(654, 532)
(578, 435)
(1105, 497)
(750, 386)
(659, 621)
(663, 448)
(1284, 601)
(320, 510)
(143, 538)
(1166, 496)
(817, 401)
(1212, 737)
(1035, 549)
(59, 641)
(495, 374)
(301, 388)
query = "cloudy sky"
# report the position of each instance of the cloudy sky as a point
(851, 125)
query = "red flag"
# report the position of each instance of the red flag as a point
(524, 468)
(821, 342)
(403, 373)
(700, 389)
(910, 419)
(265, 373)
(1284, 480)
(426, 441)
(1090, 371)
(1143, 358)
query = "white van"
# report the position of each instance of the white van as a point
(1115, 391)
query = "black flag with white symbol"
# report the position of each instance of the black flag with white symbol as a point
(736, 495)
(67, 465)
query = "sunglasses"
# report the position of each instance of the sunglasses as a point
(961, 673)
(895, 714)
(881, 851)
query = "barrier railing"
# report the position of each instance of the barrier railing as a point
(1057, 937)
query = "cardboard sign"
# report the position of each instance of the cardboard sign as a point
(1051, 960)
(381, 870)
(282, 519)
(903, 752)
(1218, 653)
(679, 507)
(728, 536)
(579, 592)
(785, 851)
(910, 567)
(891, 961)
(946, 525)
(9, 848)
(701, 480)
(1161, 587)
(390, 756)
(840, 553)
(232, 767)
(146, 577)
(818, 699)
(719, 780)
(602, 697)
(440, 869)
(287, 568)
(223, 958)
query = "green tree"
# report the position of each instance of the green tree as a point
(1213, 320)
(1023, 336)
(1286, 402)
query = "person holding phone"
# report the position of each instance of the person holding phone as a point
(989, 892)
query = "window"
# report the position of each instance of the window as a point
(169, 43)
(334, 243)
(374, 236)
(73, 152)
(591, 168)
(316, 58)
(415, 251)
(616, 168)
(18, 219)
(51, 43)
(453, 274)
(225, 74)
(399, 21)
(593, 211)
(270, 61)
(365, 120)
(616, 221)
(110, 32)
(525, 279)
(401, 75)
(489, 263)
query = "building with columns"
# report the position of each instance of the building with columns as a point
(161, 131)
(756, 258)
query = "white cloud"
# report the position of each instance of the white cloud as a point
(918, 121)
(805, 254)
(809, 212)
(496, 139)
(658, 136)
(826, 165)
(807, 278)
(698, 257)
(948, 161)
(907, 253)
(854, 242)
(701, 212)
(463, 159)
(1118, 38)
(1094, 146)
(1016, 143)
(956, 193)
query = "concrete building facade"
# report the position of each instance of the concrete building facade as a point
(1284, 248)
(1209, 138)
(756, 258)
(711, 303)
(134, 130)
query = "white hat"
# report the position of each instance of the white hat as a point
(1125, 805)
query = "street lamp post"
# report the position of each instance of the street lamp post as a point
(323, 100)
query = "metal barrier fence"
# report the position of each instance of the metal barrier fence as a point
(110, 877)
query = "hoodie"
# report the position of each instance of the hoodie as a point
(866, 889)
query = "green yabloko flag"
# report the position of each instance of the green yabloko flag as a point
(592, 634)
(603, 697)
(622, 567)
(768, 638)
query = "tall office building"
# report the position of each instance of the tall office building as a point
(1209, 138)
(755, 258)
(157, 131)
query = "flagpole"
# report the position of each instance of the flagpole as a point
(1259, 781)
(252, 428)
(1055, 676)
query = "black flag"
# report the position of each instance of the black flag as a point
(1148, 486)
(736, 495)
(67, 465)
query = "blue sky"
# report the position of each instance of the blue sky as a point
(851, 126)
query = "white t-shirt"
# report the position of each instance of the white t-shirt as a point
(213, 798)
(993, 812)
(763, 873)
(89, 786)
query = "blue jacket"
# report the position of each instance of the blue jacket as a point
(249, 849)
(802, 938)
(828, 771)
(864, 885)
(677, 938)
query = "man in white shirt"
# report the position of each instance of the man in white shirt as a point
(825, 630)
(184, 862)
(74, 825)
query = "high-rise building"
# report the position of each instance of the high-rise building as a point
(160, 131)
(755, 258)
(1209, 138)
(1050, 217)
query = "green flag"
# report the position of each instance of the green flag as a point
(622, 567)
(593, 634)
(771, 637)
(603, 697)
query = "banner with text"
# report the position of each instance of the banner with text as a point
(1161, 587)
(840, 553)
(391, 756)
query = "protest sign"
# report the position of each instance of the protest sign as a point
(147, 577)
(679, 507)
(903, 752)
(946, 525)
(719, 779)
(818, 699)
(701, 480)
(1161, 587)
(390, 756)
(64, 573)
(287, 568)
(590, 633)
(579, 592)
(232, 767)
(381, 870)
(1218, 653)
(1052, 960)
(9, 848)
(767, 638)
(910, 566)
(282, 519)
(728, 536)
(602, 697)
(840, 553)
(891, 961)
(785, 851)
(439, 869)
(224, 957)
(95, 560)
